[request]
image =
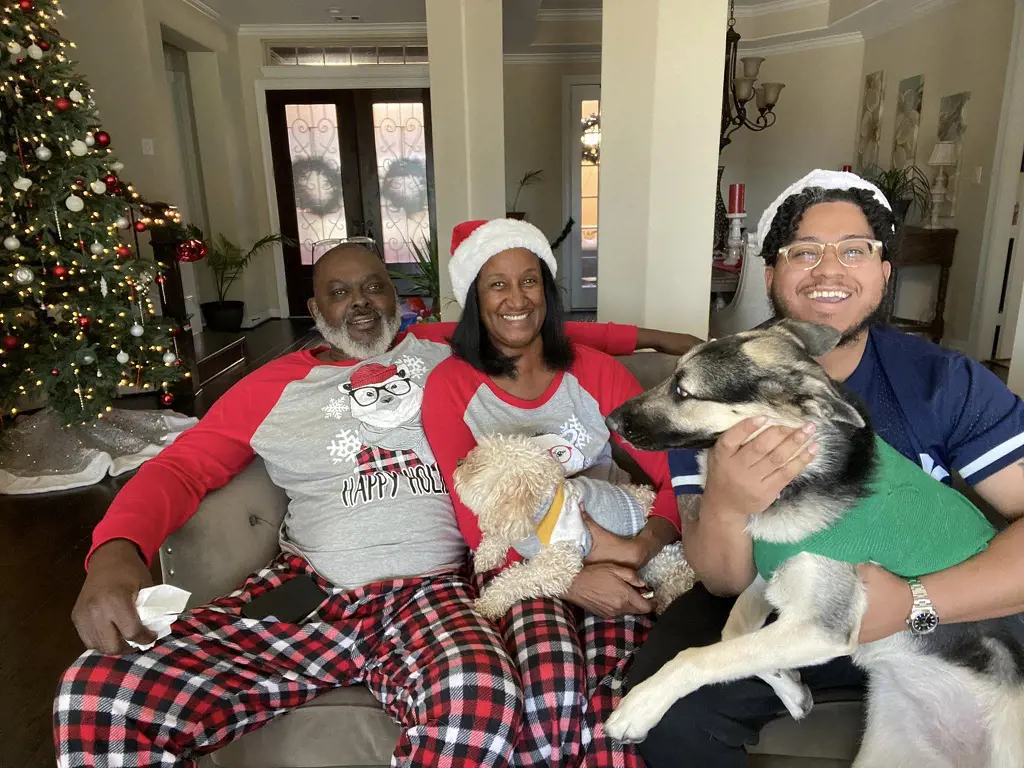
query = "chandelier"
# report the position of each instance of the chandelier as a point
(739, 89)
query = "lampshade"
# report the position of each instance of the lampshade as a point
(751, 66)
(943, 153)
(744, 88)
(759, 93)
(771, 93)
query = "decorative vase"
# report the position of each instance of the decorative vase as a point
(721, 218)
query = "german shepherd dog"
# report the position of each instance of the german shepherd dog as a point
(952, 697)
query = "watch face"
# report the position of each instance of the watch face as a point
(923, 622)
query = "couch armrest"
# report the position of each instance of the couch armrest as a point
(233, 533)
(649, 368)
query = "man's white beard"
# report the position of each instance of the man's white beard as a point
(341, 340)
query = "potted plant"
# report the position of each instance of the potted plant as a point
(905, 188)
(227, 261)
(529, 178)
(426, 279)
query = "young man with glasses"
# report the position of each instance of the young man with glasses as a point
(828, 242)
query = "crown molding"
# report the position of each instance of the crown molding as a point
(805, 44)
(562, 57)
(203, 8)
(775, 6)
(334, 31)
(905, 15)
(569, 14)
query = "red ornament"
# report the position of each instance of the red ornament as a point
(60, 270)
(25, 5)
(110, 179)
(45, 46)
(115, 188)
(161, 279)
(61, 104)
(11, 342)
(102, 138)
(191, 250)
(166, 398)
(84, 321)
(55, 372)
(140, 226)
(177, 363)
(123, 251)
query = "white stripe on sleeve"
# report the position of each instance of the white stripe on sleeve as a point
(988, 457)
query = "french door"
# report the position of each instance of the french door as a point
(584, 160)
(351, 163)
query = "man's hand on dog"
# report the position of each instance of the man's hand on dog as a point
(747, 477)
(609, 590)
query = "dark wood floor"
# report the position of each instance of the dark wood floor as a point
(45, 539)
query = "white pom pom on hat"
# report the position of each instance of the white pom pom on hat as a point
(474, 242)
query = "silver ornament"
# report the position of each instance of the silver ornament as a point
(11, 243)
(98, 187)
(78, 148)
(43, 153)
(117, 167)
(89, 140)
(169, 357)
(13, 48)
(75, 96)
(136, 330)
(121, 222)
(3, 157)
(22, 183)
(123, 357)
(88, 359)
(74, 203)
(23, 276)
(96, 248)
(35, 52)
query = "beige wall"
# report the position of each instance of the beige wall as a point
(534, 137)
(962, 47)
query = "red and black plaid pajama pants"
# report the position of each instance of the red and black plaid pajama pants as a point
(438, 669)
(572, 665)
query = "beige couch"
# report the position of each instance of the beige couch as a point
(235, 531)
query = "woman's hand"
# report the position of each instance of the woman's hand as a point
(677, 344)
(609, 591)
(606, 547)
(746, 478)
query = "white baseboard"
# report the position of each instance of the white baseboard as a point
(260, 317)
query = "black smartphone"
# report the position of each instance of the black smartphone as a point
(290, 602)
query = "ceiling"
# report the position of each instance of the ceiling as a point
(317, 11)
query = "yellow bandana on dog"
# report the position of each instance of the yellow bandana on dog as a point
(546, 526)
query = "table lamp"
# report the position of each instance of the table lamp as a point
(944, 155)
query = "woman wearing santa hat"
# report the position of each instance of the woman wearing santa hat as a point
(513, 370)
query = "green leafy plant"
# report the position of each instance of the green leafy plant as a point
(227, 260)
(426, 280)
(905, 188)
(529, 178)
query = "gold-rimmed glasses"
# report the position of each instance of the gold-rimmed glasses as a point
(852, 252)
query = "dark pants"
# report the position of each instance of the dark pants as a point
(709, 728)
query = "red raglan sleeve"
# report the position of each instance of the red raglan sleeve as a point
(610, 338)
(610, 383)
(167, 489)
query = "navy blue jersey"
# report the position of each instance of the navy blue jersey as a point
(938, 408)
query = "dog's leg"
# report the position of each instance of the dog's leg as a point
(749, 614)
(1006, 728)
(548, 574)
(802, 636)
(669, 575)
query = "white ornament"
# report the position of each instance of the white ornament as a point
(11, 243)
(23, 276)
(75, 96)
(89, 140)
(117, 167)
(96, 248)
(43, 153)
(88, 359)
(22, 183)
(98, 187)
(104, 290)
(122, 357)
(35, 52)
(3, 157)
(78, 148)
(121, 222)
(13, 48)
(169, 357)
(136, 330)
(74, 203)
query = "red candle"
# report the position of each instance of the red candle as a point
(737, 198)
(847, 168)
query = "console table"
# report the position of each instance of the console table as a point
(919, 246)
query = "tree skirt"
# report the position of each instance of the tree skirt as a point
(38, 456)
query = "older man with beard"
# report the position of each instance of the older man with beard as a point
(828, 242)
(369, 523)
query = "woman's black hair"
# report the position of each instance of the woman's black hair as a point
(470, 341)
(787, 219)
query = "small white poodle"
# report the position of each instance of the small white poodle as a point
(517, 488)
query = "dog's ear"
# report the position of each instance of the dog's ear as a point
(815, 338)
(490, 554)
(833, 406)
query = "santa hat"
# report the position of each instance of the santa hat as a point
(822, 179)
(474, 242)
(374, 373)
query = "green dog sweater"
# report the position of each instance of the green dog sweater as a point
(910, 524)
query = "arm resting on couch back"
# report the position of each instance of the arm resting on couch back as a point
(233, 533)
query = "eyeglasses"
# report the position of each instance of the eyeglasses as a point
(369, 394)
(320, 247)
(855, 252)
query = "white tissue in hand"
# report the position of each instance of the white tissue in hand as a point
(158, 608)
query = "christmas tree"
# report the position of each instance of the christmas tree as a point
(77, 324)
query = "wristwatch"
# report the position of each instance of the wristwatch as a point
(923, 618)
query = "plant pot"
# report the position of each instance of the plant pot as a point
(518, 215)
(901, 208)
(224, 316)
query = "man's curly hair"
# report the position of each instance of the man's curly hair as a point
(787, 219)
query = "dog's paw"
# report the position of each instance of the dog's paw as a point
(637, 714)
(490, 606)
(795, 696)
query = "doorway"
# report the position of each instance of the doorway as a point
(351, 163)
(583, 158)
